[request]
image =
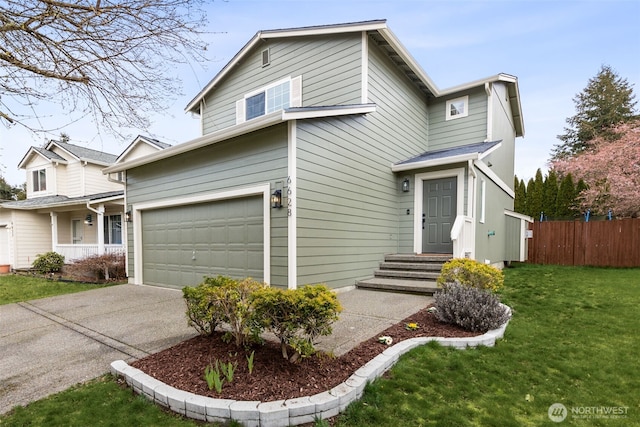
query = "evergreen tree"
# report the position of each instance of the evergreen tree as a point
(549, 202)
(535, 195)
(520, 201)
(566, 200)
(607, 100)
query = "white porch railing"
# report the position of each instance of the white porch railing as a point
(76, 252)
(462, 236)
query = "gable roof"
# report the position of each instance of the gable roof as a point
(141, 139)
(83, 153)
(386, 40)
(42, 152)
(447, 156)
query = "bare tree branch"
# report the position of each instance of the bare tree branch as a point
(113, 60)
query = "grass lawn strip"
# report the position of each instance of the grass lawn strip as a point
(571, 340)
(17, 288)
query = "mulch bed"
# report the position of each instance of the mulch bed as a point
(273, 377)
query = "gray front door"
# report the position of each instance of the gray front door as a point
(438, 214)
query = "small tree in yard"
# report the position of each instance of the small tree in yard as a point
(611, 171)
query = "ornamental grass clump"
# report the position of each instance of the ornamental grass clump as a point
(471, 273)
(473, 309)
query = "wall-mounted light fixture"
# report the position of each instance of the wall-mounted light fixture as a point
(88, 219)
(406, 186)
(127, 216)
(276, 199)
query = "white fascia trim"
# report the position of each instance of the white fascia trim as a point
(480, 82)
(237, 130)
(518, 215)
(323, 30)
(261, 189)
(364, 69)
(272, 34)
(495, 178)
(202, 141)
(409, 60)
(292, 223)
(435, 162)
(327, 112)
(418, 200)
(489, 151)
(195, 102)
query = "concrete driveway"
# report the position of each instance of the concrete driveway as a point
(50, 344)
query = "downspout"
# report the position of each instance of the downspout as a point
(473, 176)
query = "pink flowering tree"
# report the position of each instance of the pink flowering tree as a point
(611, 169)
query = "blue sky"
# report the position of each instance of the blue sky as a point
(552, 46)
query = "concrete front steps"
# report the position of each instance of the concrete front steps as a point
(407, 273)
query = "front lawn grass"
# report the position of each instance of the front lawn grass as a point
(17, 288)
(572, 340)
(101, 402)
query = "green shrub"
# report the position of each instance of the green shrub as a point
(297, 316)
(202, 313)
(223, 300)
(476, 310)
(50, 262)
(471, 273)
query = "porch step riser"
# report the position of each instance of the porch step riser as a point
(404, 274)
(407, 273)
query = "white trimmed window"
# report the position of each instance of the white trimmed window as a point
(277, 96)
(113, 229)
(39, 178)
(457, 108)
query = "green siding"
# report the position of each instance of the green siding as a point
(329, 66)
(503, 159)
(492, 247)
(466, 130)
(347, 197)
(249, 160)
(513, 239)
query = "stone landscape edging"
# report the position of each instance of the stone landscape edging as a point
(289, 412)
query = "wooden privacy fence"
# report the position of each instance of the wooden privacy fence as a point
(598, 243)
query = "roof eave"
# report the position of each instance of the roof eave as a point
(242, 129)
(434, 162)
(194, 104)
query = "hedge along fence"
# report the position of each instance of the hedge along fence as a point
(594, 243)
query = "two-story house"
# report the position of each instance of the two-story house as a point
(71, 207)
(323, 150)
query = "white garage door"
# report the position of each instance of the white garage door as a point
(182, 244)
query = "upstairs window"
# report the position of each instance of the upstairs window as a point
(457, 108)
(40, 180)
(278, 96)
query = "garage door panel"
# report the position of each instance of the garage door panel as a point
(226, 237)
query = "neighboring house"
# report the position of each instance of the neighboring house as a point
(323, 149)
(71, 207)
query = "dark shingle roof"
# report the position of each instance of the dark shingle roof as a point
(49, 154)
(53, 201)
(480, 147)
(86, 153)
